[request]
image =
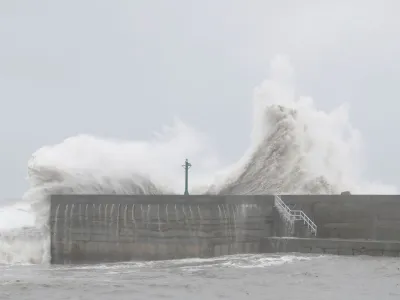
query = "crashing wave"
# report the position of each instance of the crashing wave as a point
(50, 180)
(278, 164)
(24, 245)
(295, 149)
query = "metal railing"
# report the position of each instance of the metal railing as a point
(294, 215)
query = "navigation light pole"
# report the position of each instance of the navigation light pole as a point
(187, 166)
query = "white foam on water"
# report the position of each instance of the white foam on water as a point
(295, 148)
(242, 261)
(195, 264)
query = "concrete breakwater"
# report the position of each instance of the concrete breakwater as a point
(372, 217)
(101, 228)
(106, 228)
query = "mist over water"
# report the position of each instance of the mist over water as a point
(295, 148)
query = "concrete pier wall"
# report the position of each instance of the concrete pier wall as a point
(105, 228)
(372, 217)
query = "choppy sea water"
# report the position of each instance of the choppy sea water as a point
(232, 277)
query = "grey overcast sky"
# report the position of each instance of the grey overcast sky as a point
(124, 69)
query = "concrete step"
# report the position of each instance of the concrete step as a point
(330, 246)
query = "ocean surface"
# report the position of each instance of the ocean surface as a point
(231, 277)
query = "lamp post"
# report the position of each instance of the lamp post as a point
(186, 166)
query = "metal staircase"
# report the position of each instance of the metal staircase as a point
(294, 215)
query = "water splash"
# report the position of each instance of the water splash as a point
(80, 215)
(100, 214)
(295, 148)
(177, 214)
(56, 222)
(111, 215)
(148, 221)
(166, 213)
(142, 213)
(133, 216)
(105, 216)
(118, 219)
(126, 216)
(71, 215)
(158, 218)
(65, 241)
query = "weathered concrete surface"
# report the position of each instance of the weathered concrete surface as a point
(372, 217)
(330, 246)
(100, 228)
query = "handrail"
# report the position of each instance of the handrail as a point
(283, 208)
(294, 215)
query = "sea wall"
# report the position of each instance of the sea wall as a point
(106, 228)
(374, 217)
